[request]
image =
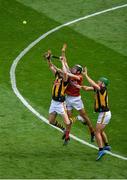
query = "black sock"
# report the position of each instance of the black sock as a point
(85, 123)
(92, 133)
(57, 124)
(100, 149)
(106, 144)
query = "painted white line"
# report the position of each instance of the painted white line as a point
(18, 58)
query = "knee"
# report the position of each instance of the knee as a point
(69, 113)
(67, 121)
(51, 118)
(83, 115)
(51, 121)
(98, 131)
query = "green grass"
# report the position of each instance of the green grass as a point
(107, 29)
(28, 147)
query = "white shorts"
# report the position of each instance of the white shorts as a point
(74, 102)
(104, 117)
(58, 107)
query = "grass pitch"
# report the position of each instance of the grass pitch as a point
(30, 148)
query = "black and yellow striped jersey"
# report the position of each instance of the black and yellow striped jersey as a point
(101, 100)
(59, 87)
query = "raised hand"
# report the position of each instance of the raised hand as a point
(64, 47)
(84, 72)
(47, 55)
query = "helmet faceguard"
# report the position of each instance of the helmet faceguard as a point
(79, 68)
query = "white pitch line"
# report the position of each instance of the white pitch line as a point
(18, 58)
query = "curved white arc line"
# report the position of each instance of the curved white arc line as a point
(23, 100)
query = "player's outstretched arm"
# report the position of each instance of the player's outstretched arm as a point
(85, 88)
(52, 67)
(64, 69)
(92, 83)
(73, 76)
(64, 49)
(64, 56)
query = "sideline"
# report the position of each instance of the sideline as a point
(18, 58)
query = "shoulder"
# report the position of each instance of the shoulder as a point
(56, 73)
(80, 76)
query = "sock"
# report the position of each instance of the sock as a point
(100, 149)
(92, 133)
(57, 124)
(85, 123)
(106, 144)
(72, 119)
(67, 135)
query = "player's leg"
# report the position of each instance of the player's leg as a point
(69, 108)
(68, 128)
(77, 103)
(61, 109)
(101, 138)
(66, 121)
(88, 122)
(54, 122)
(70, 115)
(105, 141)
(53, 110)
(52, 117)
(104, 136)
(98, 134)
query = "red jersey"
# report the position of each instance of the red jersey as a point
(71, 89)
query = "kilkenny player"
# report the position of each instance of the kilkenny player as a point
(101, 106)
(58, 96)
